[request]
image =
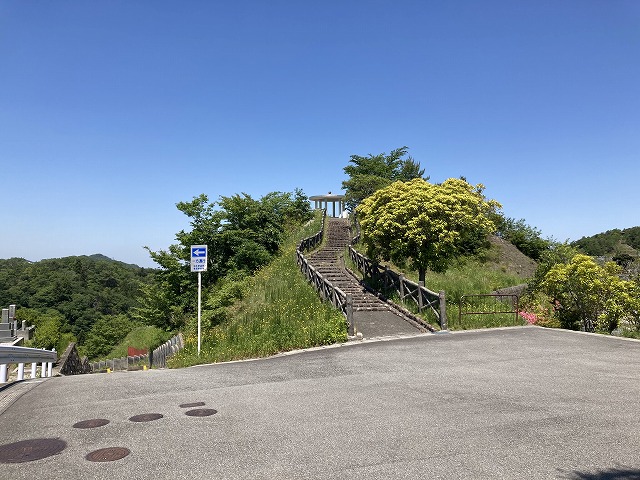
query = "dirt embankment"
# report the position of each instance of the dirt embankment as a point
(508, 258)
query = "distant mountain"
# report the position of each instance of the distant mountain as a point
(104, 258)
(82, 288)
(611, 243)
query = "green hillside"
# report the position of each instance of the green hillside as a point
(611, 243)
(65, 297)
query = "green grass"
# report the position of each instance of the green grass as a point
(279, 312)
(473, 277)
(141, 337)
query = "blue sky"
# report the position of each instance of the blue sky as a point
(111, 112)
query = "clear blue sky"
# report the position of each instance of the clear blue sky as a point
(113, 111)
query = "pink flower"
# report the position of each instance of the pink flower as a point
(529, 317)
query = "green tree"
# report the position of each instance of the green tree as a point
(524, 237)
(586, 295)
(47, 331)
(558, 253)
(424, 224)
(242, 235)
(373, 172)
(106, 333)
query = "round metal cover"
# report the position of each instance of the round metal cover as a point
(201, 412)
(30, 450)
(109, 454)
(191, 405)
(146, 417)
(93, 423)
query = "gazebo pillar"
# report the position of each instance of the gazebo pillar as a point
(322, 201)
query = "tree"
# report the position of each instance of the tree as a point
(242, 234)
(424, 224)
(371, 173)
(106, 333)
(47, 332)
(524, 237)
(587, 295)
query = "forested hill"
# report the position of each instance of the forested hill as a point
(612, 242)
(80, 288)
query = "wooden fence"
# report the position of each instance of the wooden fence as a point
(407, 290)
(324, 287)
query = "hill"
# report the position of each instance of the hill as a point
(611, 243)
(504, 256)
(79, 289)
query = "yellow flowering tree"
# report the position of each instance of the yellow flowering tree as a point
(425, 225)
(587, 295)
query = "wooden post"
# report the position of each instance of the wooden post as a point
(350, 323)
(443, 311)
(402, 286)
(420, 303)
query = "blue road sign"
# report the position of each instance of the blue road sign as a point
(198, 258)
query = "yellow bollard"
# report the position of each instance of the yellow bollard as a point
(108, 370)
(144, 367)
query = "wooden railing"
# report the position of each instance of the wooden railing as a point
(324, 287)
(407, 290)
(11, 355)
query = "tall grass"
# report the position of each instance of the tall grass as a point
(142, 337)
(471, 276)
(279, 312)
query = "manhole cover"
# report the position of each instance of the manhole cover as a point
(146, 417)
(201, 412)
(191, 405)
(30, 450)
(109, 454)
(93, 423)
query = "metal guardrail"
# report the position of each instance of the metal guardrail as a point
(489, 304)
(20, 355)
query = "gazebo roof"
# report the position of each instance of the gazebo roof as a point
(328, 197)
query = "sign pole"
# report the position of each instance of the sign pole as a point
(199, 264)
(199, 306)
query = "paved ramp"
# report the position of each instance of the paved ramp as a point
(518, 403)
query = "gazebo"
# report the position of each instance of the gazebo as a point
(323, 201)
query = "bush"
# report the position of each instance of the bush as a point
(586, 295)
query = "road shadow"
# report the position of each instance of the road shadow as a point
(621, 473)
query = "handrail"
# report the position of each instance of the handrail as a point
(10, 354)
(325, 288)
(406, 289)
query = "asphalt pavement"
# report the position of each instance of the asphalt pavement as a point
(513, 403)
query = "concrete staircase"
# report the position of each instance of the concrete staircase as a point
(327, 260)
(373, 317)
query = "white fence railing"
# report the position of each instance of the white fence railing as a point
(10, 355)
